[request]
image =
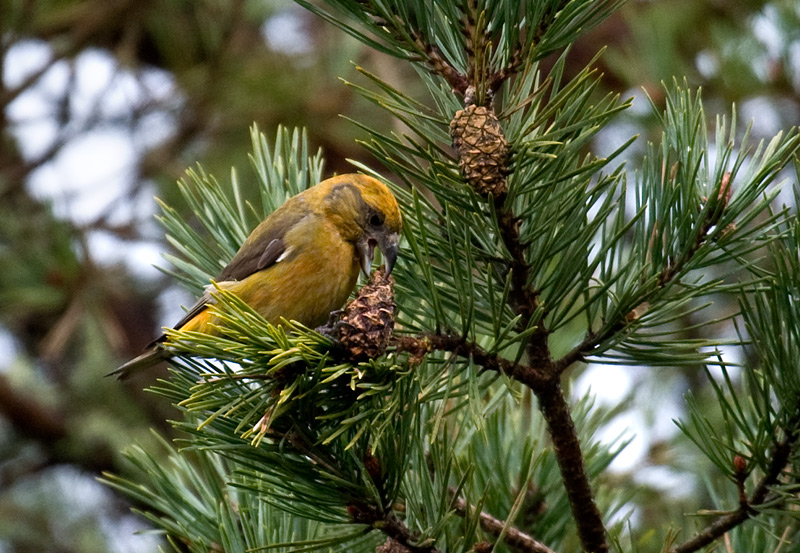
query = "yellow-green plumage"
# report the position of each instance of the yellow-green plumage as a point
(302, 261)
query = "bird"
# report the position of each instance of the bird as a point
(302, 262)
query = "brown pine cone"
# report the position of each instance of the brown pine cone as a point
(368, 321)
(481, 147)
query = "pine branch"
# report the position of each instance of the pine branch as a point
(494, 53)
(389, 524)
(419, 346)
(567, 449)
(548, 390)
(669, 274)
(514, 537)
(544, 381)
(523, 300)
(440, 66)
(481, 146)
(780, 459)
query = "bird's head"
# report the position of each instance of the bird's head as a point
(367, 214)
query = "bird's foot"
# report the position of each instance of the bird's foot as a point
(331, 328)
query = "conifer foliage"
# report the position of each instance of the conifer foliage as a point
(437, 419)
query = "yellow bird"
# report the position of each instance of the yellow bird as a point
(302, 261)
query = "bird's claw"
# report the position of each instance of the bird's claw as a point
(331, 328)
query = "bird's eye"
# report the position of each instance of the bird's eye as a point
(376, 220)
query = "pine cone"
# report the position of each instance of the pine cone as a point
(481, 147)
(368, 321)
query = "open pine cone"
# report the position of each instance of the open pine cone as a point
(367, 323)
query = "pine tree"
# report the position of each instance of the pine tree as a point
(441, 422)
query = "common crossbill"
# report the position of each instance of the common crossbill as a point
(302, 261)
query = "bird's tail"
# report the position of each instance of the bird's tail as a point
(153, 355)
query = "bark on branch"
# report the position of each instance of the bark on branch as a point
(545, 383)
(390, 525)
(761, 494)
(514, 537)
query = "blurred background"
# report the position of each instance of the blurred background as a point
(105, 103)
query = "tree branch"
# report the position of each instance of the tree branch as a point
(389, 524)
(545, 383)
(567, 449)
(542, 374)
(419, 346)
(667, 275)
(514, 537)
(780, 458)
(522, 299)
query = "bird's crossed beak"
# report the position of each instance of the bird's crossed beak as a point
(387, 242)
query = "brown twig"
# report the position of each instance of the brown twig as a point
(522, 299)
(668, 274)
(780, 458)
(419, 346)
(514, 537)
(567, 450)
(439, 65)
(542, 373)
(547, 388)
(544, 382)
(389, 524)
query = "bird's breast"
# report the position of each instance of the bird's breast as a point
(306, 285)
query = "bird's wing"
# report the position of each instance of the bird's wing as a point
(262, 249)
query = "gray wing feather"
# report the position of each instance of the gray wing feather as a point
(263, 247)
(261, 250)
